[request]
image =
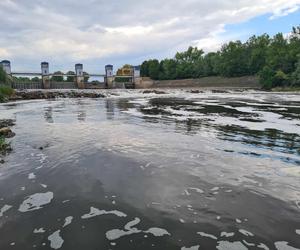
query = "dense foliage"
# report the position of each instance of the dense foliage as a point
(5, 92)
(276, 60)
(3, 76)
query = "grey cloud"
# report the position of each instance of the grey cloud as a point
(101, 31)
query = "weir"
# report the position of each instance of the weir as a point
(47, 80)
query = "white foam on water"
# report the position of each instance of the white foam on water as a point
(68, 221)
(4, 209)
(248, 243)
(39, 231)
(187, 192)
(158, 232)
(56, 241)
(218, 217)
(227, 235)
(207, 235)
(283, 245)
(215, 189)
(198, 190)
(298, 231)
(226, 245)
(23, 188)
(115, 234)
(43, 185)
(36, 201)
(31, 176)
(191, 248)
(182, 220)
(238, 221)
(130, 229)
(263, 246)
(245, 232)
(96, 212)
(132, 223)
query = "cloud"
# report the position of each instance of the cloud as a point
(97, 31)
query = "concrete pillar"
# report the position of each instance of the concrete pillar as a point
(109, 76)
(5, 64)
(45, 75)
(136, 76)
(79, 76)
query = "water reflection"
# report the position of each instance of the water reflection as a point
(152, 173)
(48, 115)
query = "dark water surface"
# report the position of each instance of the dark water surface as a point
(146, 171)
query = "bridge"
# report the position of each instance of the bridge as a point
(47, 80)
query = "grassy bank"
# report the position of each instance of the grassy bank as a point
(3, 145)
(286, 89)
(5, 92)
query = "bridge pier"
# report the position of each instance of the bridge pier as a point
(45, 75)
(109, 76)
(79, 76)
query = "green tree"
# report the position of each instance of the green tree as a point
(71, 76)
(86, 76)
(35, 79)
(267, 76)
(154, 69)
(168, 69)
(145, 69)
(296, 75)
(58, 76)
(3, 76)
(257, 52)
(234, 59)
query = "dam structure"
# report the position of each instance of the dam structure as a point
(77, 79)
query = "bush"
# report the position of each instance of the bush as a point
(5, 92)
(296, 76)
(3, 76)
(280, 79)
(267, 77)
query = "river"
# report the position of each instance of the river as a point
(179, 170)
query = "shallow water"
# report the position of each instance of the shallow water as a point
(146, 171)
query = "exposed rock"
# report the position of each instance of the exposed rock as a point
(6, 132)
(2, 161)
(6, 123)
(196, 91)
(154, 91)
(31, 95)
(219, 91)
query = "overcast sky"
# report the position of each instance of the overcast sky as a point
(97, 32)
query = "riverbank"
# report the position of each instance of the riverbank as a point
(245, 82)
(52, 94)
(5, 133)
(286, 89)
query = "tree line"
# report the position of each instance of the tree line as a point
(276, 60)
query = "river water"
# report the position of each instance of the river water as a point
(179, 170)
